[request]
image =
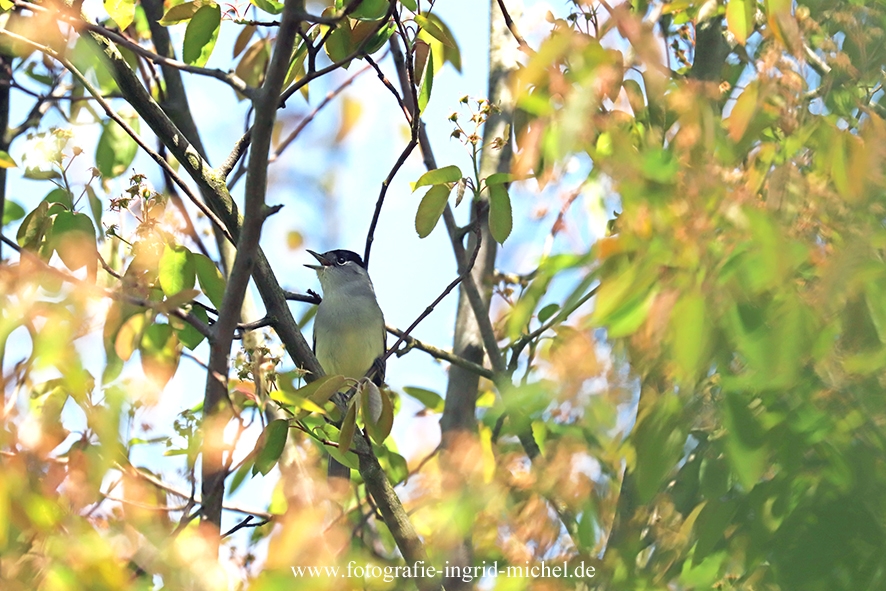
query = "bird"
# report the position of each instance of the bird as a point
(349, 328)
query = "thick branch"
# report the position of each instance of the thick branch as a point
(254, 215)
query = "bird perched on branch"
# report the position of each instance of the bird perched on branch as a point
(349, 329)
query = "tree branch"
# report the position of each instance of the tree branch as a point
(254, 215)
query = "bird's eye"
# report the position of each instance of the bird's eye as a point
(341, 260)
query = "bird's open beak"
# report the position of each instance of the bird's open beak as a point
(321, 259)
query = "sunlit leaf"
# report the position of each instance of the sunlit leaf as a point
(211, 281)
(122, 11)
(182, 12)
(740, 18)
(116, 149)
(427, 83)
(176, 270)
(201, 35)
(6, 160)
(434, 30)
(160, 351)
(73, 238)
(743, 111)
(745, 444)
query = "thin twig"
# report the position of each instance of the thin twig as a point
(245, 523)
(465, 272)
(310, 116)
(123, 124)
(198, 324)
(310, 298)
(437, 353)
(513, 27)
(229, 78)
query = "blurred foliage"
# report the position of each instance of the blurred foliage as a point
(714, 420)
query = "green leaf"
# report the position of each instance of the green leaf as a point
(160, 352)
(176, 270)
(338, 44)
(211, 281)
(269, 6)
(272, 441)
(658, 438)
(430, 209)
(439, 176)
(427, 83)
(432, 401)
(348, 426)
(12, 211)
(500, 216)
(547, 312)
(189, 336)
(182, 12)
(6, 160)
(122, 11)
(410, 4)
(370, 10)
(745, 441)
(689, 335)
(434, 31)
(740, 19)
(60, 196)
(201, 35)
(73, 238)
(116, 149)
(499, 178)
(95, 206)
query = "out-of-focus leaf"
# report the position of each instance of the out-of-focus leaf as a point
(254, 62)
(73, 238)
(160, 352)
(243, 38)
(176, 270)
(201, 35)
(122, 11)
(376, 39)
(434, 30)
(430, 209)
(745, 443)
(500, 216)
(439, 176)
(410, 4)
(211, 281)
(129, 336)
(431, 400)
(12, 211)
(743, 111)
(547, 312)
(116, 149)
(6, 160)
(272, 441)
(689, 335)
(95, 207)
(658, 439)
(740, 18)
